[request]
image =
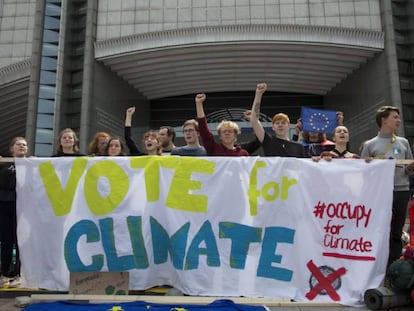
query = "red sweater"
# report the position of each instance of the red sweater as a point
(212, 147)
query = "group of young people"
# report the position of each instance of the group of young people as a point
(386, 145)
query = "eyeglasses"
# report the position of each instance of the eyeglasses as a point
(227, 132)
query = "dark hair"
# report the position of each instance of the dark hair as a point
(122, 153)
(321, 137)
(170, 131)
(384, 112)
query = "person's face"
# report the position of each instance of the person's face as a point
(151, 143)
(392, 122)
(67, 140)
(163, 136)
(19, 149)
(190, 134)
(102, 143)
(227, 135)
(281, 128)
(341, 134)
(114, 148)
(314, 137)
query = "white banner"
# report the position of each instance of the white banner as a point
(214, 226)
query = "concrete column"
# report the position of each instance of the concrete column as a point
(390, 51)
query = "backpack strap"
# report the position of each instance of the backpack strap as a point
(387, 147)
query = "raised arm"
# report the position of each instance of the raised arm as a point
(340, 118)
(128, 116)
(132, 146)
(254, 118)
(298, 129)
(199, 100)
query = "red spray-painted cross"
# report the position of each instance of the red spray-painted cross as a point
(325, 282)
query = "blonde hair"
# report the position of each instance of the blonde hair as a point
(230, 124)
(191, 122)
(75, 138)
(156, 136)
(280, 117)
(15, 140)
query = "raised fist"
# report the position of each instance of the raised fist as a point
(131, 110)
(261, 88)
(200, 98)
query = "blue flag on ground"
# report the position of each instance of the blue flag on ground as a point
(318, 120)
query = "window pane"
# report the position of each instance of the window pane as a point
(44, 136)
(48, 77)
(53, 10)
(50, 36)
(47, 92)
(46, 106)
(49, 63)
(51, 23)
(49, 50)
(43, 150)
(44, 121)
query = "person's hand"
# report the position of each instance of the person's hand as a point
(368, 159)
(200, 98)
(340, 117)
(298, 126)
(247, 114)
(410, 168)
(261, 88)
(316, 158)
(328, 155)
(131, 110)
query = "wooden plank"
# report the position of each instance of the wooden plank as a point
(269, 302)
(6, 159)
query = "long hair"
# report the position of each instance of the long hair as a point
(93, 145)
(75, 138)
(122, 153)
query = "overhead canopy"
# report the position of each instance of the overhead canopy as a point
(14, 90)
(290, 58)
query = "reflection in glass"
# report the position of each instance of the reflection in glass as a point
(47, 92)
(47, 77)
(44, 120)
(52, 23)
(52, 9)
(43, 150)
(49, 50)
(44, 135)
(50, 36)
(49, 63)
(46, 106)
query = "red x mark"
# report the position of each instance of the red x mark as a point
(325, 282)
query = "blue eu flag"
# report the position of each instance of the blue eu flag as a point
(318, 120)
